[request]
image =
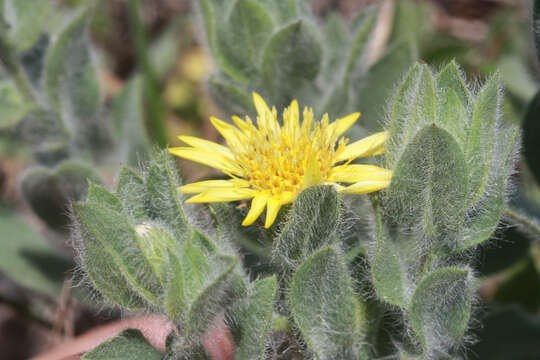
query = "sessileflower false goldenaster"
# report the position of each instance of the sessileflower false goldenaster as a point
(272, 164)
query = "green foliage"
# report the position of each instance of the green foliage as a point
(28, 259)
(311, 225)
(253, 319)
(440, 309)
(452, 153)
(50, 192)
(130, 344)
(26, 19)
(283, 52)
(325, 308)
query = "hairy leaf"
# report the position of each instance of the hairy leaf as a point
(128, 345)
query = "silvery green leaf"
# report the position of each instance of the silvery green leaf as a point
(291, 61)
(310, 225)
(26, 21)
(441, 308)
(128, 345)
(325, 307)
(429, 188)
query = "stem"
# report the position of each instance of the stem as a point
(155, 107)
(15, 72)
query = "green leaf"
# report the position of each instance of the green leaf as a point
(12, 108)
(213, 297)
(49, 192)
(481, 221)
(364, 24)
(324, 306)
(336, 37)
(26, 21)
(129, 122)
(231, 97)
(291, 61)
(282, 11)
(311, 224)
(71, 78)
(131, 190)
(414, 107)
(241, 37)
(388, 270)
(112, 256)
(253, 319)
(481, 134)
(162, 182)
(531, 131)
(441, 308)
(100, 195)
(374, 87)
(452, 115)
(451, 78)
(128, 345)
(429, 187)
(27, 259)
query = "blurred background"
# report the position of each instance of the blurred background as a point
(151, 64)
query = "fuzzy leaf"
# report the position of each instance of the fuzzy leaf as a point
(231, 97)
(112, 256)
(482, 221)
(414, 107)
(336, 37)
(213, 297)
(324, 306)
(131, 190)
(164, 202)
(480, 142)
(253, 319)
(310, 225)
(450, 78)
(100, 195)
(26, 21)
(441, 308)
(364, 24)
(291, 60)
(128, 345)
(129, 122)
(388, 271)
(242, 35)
(282, 11)
(429, 187)
(70, 76)
(12, 108)
(452, 115)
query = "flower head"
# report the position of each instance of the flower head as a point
(272, 164)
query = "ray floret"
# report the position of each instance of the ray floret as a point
(272, 163)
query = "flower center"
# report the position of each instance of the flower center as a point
(276, 159)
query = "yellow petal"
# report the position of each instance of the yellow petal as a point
(369, 146)
(211, 159)
(356, 172)
(274, 204)
(221, 195)
(260, 105)
(257, 206)
(202, 186)
(293, 123)
(207, 145)
(231, 134)
(312, 176)
(364, 187)
(266, 120)
(339, 126)
(242, 125)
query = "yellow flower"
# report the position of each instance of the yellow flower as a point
(272, 164)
